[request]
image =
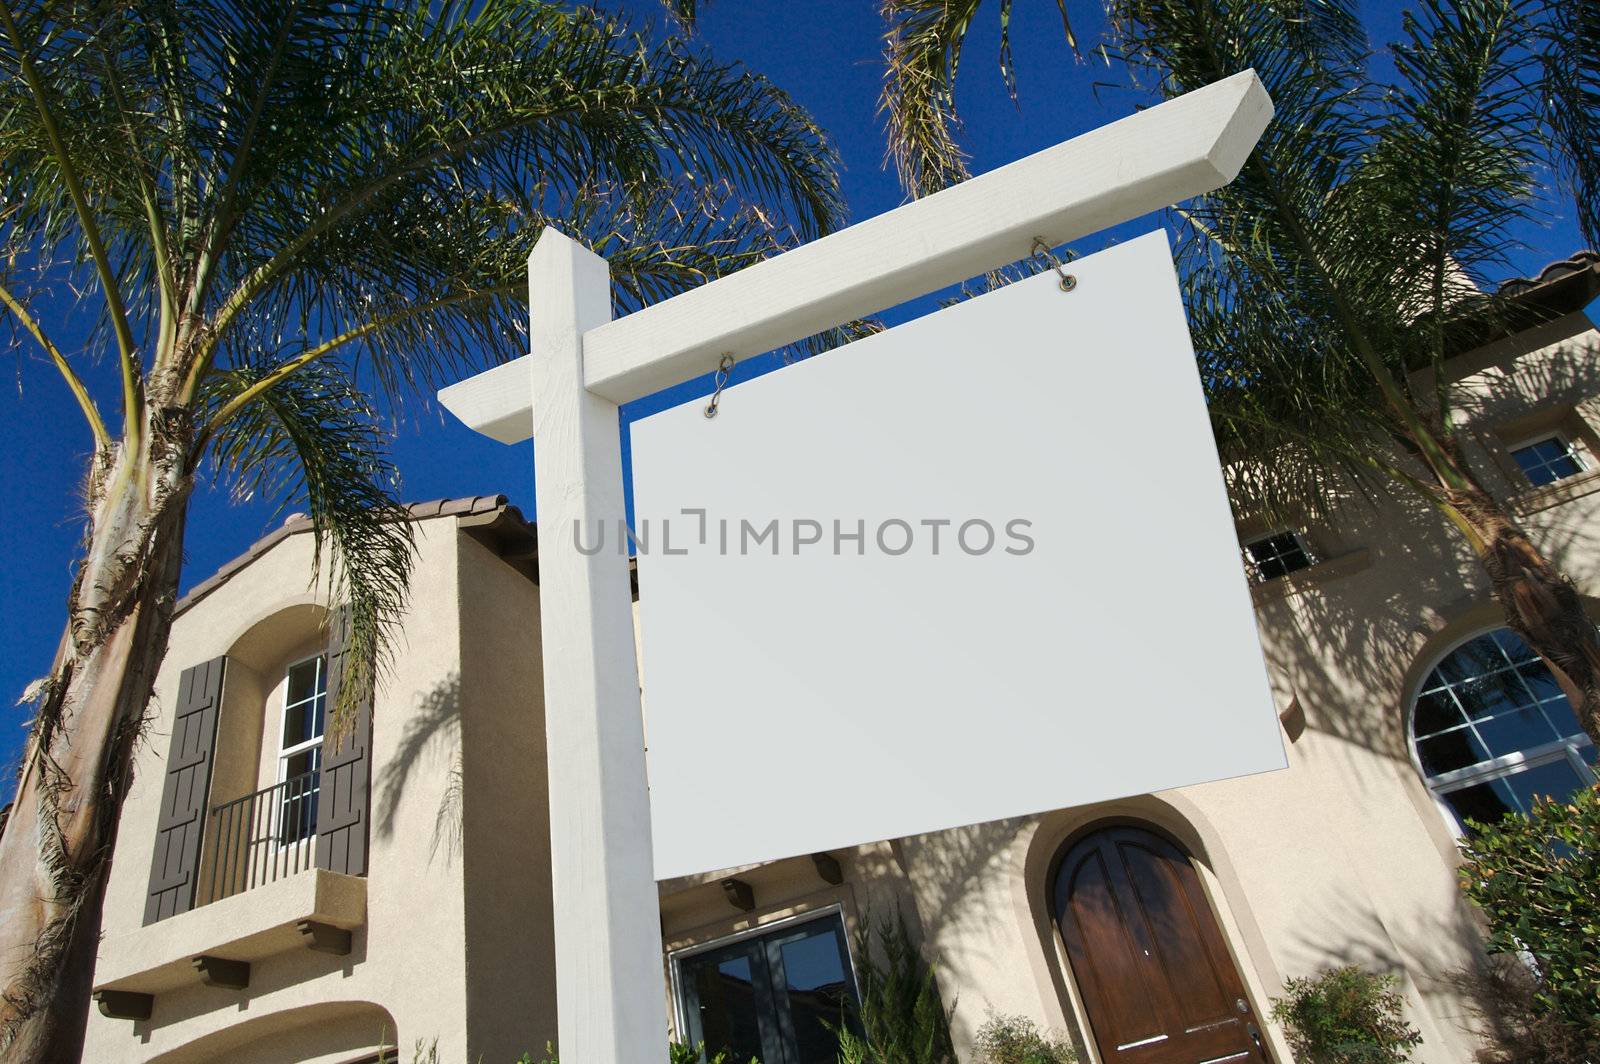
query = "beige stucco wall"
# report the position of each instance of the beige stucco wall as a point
(504, 848)
(407, 979)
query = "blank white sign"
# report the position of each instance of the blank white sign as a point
(876, 664)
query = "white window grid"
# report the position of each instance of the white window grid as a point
(315, 703)
(1285, 546)
(1567, 747)
(1547, 467)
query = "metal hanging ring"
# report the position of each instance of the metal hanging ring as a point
(721, 382)
(1041, 250)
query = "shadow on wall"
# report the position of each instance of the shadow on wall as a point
(269, 977)
(323, 1031)
(1340, 644)
(1445, 964)
(432, 729)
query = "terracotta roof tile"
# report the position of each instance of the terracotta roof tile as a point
(1578, 262)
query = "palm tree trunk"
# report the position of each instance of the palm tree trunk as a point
(57, 844)
(1540, 603)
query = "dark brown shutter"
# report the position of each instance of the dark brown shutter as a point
(346, 769)
(184, 792)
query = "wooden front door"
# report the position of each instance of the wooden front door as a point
(1156, 978)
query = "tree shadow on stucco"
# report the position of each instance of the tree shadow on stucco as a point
(1466, 988)
(433, 724)
(1345, 647)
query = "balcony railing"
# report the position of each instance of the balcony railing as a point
(260, 838)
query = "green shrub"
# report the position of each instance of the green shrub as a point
(1500, 995)
(901, 1019)
(677, 1053)
(1537, 880)
(1345, 1016)
(1015, 1040)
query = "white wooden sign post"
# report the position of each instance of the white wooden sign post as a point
(610, 976)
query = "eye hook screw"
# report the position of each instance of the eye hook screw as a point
(721, 381)
(1041, 250)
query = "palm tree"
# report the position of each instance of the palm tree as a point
(252, 202)
(1330, 282)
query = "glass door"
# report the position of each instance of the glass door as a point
(778, 997)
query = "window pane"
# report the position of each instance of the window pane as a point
(1497, 692)
(1472, 659)
(1513, 645)
(773, 997)
(302, 723)
(303, 680)
(1521, 729)
(1507, 693)
(1271, 569)
(298, 796)
(1436, 712)
(1450, 751)
(1540, 682)
(818, 988)
(1484, 802)
(729, 1003)
(1559, 710)
(1547, 461)
(1275, 556)
(305, 712)
(1554, 779)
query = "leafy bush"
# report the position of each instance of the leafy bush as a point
(677, 1053)
(1501, 994)
(1015, 1040)
(1537, 880)
(901, 1018)
(1345, 1016)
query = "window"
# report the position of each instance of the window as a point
(1547, 460)
(305, 715)
(1279, 554)
(1492, 729)
(772, 996)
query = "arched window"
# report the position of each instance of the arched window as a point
(1492, 729)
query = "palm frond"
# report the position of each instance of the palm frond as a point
(1329, 272)
(522, 93)
(314, 440)
(1571, 98)
(1451, 171)
(922, 46)
(687, 12)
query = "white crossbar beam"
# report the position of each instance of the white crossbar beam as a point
(1168, 153)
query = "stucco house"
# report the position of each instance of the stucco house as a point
(274, 899)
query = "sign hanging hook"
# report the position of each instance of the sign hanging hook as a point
(1041, 250)
(721, 381)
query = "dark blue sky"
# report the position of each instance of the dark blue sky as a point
(824, 52)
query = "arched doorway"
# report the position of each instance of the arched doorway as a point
(1156, 978)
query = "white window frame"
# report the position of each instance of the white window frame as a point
(1570, 748)
(680, 1020)
(1299, 537)
(1573, 448)
(284, 754)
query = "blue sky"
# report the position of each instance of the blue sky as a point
(824, 53)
